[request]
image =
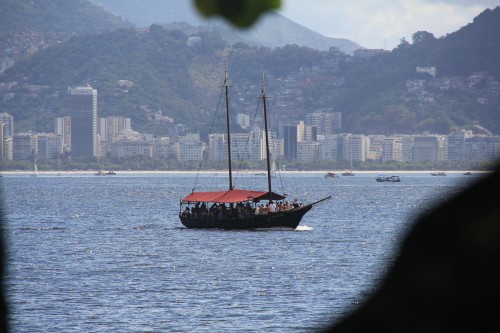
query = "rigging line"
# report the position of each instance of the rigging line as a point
(248, 139)
(210, 131)
(277, 166)
(275, 149)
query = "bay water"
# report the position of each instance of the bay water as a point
(109, 254)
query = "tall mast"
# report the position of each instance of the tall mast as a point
(228, 129)
(268, 155)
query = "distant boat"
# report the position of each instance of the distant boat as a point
(273, 171)
(102, 173)
(35, 170)
(348, 173)
(438, 173)
(331, 175)
(388, 179)
(468, 173)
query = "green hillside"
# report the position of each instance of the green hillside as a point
(55, 16)
(176, 82)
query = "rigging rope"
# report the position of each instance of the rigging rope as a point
(210, 131)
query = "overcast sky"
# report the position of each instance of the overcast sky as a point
(382, 23)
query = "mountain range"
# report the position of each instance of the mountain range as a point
(272, 30)
(174, 71)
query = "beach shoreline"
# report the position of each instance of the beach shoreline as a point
(222, 172)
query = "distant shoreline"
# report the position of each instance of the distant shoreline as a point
(246, 172)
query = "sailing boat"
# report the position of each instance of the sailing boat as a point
(349, 172)
(247, 209)
(35, 170)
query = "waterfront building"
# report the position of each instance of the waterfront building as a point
(328, 147)
(110, 127)
(217, 147)
(8, 148)
(290, 137)
(482, 148)
(244, 146)
(25, 146)
(392, 149)
(8, 121)
(325, 120)
(50, 146)
(2, 139)
(307, 150)
(429, 148)
(456, 145)
(161, 147)
(406, 148)
(128, 148)
(83, 121)
(375, 151)
(190, 147)
(358, 146)
(62, 127)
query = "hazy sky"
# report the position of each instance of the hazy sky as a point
(382, 23)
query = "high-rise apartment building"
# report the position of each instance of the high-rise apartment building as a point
(62, 127)
(456, 145)
(1, 141)
(25, 146)
(50, 146)
(8, 121)
(83, 121)
(326, 122)
(429, 148)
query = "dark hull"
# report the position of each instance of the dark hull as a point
(289, 219)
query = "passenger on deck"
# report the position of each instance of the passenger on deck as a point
(186, 212)
(272, 207)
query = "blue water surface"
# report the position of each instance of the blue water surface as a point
(102, 254)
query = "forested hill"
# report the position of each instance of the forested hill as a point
(387, 94)
(61, 16)
(175, 77)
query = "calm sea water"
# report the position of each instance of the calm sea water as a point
(108, 254)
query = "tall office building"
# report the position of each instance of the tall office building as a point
(83, 121)
(1, 141)
(8, 121)
(290, 139)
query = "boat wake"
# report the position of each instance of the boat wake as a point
(303, 228)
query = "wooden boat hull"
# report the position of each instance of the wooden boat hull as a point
(289, 219)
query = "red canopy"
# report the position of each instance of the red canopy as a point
(229, 196)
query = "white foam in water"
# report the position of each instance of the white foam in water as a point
(303, 228)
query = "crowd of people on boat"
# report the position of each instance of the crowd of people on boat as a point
(240, 210)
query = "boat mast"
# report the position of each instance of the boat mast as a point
(268, 155)
(228, 129)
